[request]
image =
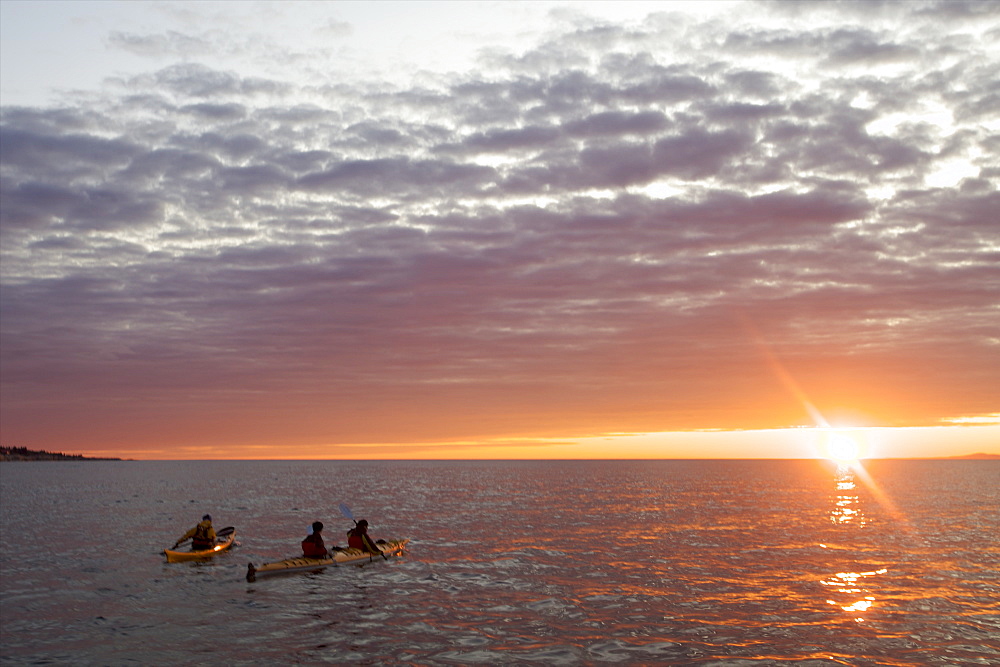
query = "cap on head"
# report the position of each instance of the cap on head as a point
(207, 517)
(317, 526)
(363, 523)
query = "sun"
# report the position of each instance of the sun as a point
(843, 448)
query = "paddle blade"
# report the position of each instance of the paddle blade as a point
(228, 530)
(346, 511)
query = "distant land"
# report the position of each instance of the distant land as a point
(25, 454)
(978, 455)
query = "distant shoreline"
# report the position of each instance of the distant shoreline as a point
(976, 456)
(25, 454)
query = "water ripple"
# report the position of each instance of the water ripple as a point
(550, 563)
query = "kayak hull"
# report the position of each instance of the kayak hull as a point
(340, 557)
(181, 556)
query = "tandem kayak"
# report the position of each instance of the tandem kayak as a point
(340, 557)
(227, 536)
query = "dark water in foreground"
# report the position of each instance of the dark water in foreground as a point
(549, 563)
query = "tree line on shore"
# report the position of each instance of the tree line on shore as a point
(25, 454)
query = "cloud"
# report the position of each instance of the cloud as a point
(592, 235)
(198, 82)
(170, 43)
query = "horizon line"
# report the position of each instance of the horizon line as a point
(977, 456)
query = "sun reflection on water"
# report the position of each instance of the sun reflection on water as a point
(852, 585)
(854, 589)
(846, 508)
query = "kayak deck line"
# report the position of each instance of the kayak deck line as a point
(341, 556)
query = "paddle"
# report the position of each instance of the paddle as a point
(346, 511)
(224, 532)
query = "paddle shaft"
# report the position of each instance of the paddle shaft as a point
(224, 532)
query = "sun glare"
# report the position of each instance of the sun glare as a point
(843, 448)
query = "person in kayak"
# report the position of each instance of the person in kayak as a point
(357, 538)
(202, 536)
(312, 546)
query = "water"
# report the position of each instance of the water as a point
(549, 563)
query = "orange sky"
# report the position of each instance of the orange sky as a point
(926, 442)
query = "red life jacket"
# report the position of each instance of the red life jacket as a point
(354, 539)
(358, 540)
(313, 547)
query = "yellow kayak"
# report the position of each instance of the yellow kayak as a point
(340, 557)
(227, 536)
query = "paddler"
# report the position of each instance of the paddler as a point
(357, 538)
(312, 546)
(202, 536)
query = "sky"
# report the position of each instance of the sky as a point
(499, 229)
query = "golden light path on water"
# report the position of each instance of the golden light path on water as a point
(856, 590)
(856, 597)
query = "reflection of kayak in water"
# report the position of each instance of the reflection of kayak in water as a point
(227, 535)
(340, 557)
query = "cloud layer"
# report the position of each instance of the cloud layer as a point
(659, 226)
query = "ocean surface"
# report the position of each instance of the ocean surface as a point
(547, 563)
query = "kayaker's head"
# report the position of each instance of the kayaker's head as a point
(363, 525)
(207, 517)
(317, 526)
